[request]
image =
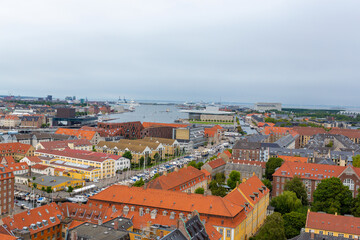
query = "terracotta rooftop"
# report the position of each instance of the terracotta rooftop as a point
(308, 131)
(14, 148)
(216, 163)
(333, 223)
(76, 132)
(65, 144)
(9, 160)
(18, 166)
(49, 213)
(350, 133)
(279, 131)
(293, 159)
(253, 189)
(34, 159)
(40, 167)
(176, 178)
(79, 154)
(309, 170)
(211, 205)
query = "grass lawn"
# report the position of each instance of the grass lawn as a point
(214, 123)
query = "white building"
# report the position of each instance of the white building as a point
(122, 163)
(262, 107)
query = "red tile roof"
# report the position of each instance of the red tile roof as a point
(7, 237)
(251, 189)
(34, 159)
(333, 223)
(293, 159)
(26, 218)
(80, 154)
(76, 132)
(350, 133)
(177, 178)
(65, 144)
(9, 160)
(178, 201)
(18, 166)
(40, 167)
(308, 131)
(12, 117)
(279, 131)
(154, 124)
(216, 163)
(212, 232)
(19, 148)
(308, 170)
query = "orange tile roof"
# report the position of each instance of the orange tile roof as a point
(9, 160)
(177, 178)
(293, 159)
(279, 131)
(34, 159)
(65, 144)
(227, 153)
(76, 132)
(14, 148)
(216, 163)
(75, 223)
(26, 218)
(174, 200)
(350, 133)
(140, 222)
(308, 131)
(79, 154)
(269, 124)
(154, 124)
(212, 232)
(88, 213)
(251, 189)
(333, 223)
(7, 237)
(12, 117)
(40, 167)
(18, 166)
(309, 170)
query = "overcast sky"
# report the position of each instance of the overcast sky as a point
(296, 52)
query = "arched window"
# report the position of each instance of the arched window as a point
(350, 183)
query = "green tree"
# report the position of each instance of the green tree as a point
(34, 178)
(192, 164)
(271, 165)
(220, 178)
(199, 190)
(293, 222)
(34, 185)
(355, 210)
(196, 165)
(157, 157)
(93, 148)
(48, 189)
(273, 228)
(127, 155)
(332, 196)
(141, 161)
(148, 161)
(356, 161)
(234, 178)
(199, 165)
(156, 175)
(267, 183)
(296, 185)
(286, 202)
(139, 183)
(70, 189)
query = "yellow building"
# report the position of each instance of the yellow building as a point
(119, 148)
(56, 183)
(171, 146)
(255, 197)
(91, 164)
(332, 225)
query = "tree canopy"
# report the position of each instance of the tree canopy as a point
(196, 165)
(273, 228)
(332, 196)
(139, 183)
(271, 165)
(293, 222)
(156, 175)
(286, 202)
(127, 155)
(234, 178)
(296, 185)
(356, 161)
(199, 190)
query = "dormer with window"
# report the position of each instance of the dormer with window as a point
(126, 210)
(141, 211)
(153, 214)
(172, 215)
(165, 213)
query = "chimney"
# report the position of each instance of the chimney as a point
(29, 171)
(116, 224)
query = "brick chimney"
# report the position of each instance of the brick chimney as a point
(116, 224)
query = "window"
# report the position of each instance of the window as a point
(330, 233)
(228, 233)
(221, 231)
(350, 183)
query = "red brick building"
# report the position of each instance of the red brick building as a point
(7, 180)
(243, 150)
(129, 130)
(311, 175)
(39, 223)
